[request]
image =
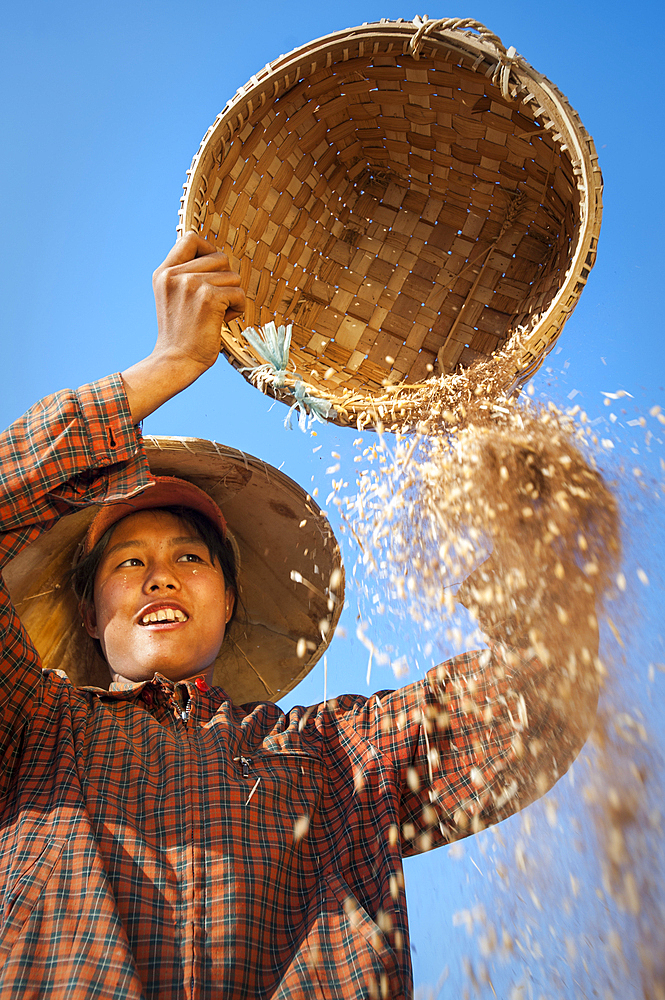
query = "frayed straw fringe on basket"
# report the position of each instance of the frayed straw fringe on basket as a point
(407, 196)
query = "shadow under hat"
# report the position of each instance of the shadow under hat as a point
(291, 580)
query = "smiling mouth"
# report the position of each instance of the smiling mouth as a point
(164, 616)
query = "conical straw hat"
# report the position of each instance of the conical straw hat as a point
(408, 196)
(291, 577)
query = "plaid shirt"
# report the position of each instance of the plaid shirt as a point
(153, 850)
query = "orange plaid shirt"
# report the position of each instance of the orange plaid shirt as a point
(152, 850)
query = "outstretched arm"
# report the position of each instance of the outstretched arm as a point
(486, 733)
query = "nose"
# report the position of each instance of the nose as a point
(160, 576)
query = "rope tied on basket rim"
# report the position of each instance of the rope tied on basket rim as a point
(273, 344)
(507, 57)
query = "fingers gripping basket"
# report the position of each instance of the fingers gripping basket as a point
(407, 196)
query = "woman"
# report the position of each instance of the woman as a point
(162, 840)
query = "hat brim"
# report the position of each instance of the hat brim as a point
(288, 554)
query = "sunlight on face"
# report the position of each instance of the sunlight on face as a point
(160, 602)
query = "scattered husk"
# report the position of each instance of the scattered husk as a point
(481, 472)
(505, 495)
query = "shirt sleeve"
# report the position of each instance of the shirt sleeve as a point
(70, 450)
(479, 738)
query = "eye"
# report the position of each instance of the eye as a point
(132, 561)
(190, 557)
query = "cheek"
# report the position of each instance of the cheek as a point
(111, 600)
(216, 603)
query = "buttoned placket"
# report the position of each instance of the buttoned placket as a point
(192, 897)
(180, 698)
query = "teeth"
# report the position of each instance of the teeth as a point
(164, 615)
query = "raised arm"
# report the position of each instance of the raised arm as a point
(69, 450)
(76, 448)
(195, 292)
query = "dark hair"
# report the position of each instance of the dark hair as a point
(84, 572)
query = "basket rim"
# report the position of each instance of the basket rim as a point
(527, 86)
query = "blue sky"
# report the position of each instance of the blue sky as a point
(104, 107)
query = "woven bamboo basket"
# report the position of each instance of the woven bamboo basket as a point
(407, 195)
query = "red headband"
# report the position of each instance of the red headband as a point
(166, 492)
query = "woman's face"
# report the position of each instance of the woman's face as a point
(160, 603)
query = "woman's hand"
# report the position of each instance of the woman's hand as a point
(195, 292)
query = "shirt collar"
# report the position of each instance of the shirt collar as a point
(158, 680)
(204, 701)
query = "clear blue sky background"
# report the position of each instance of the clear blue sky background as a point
(104, 106)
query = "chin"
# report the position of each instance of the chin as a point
(136, 665)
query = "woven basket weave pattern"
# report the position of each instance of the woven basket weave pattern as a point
(403, 214)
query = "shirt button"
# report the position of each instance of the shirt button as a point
(201, 684)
